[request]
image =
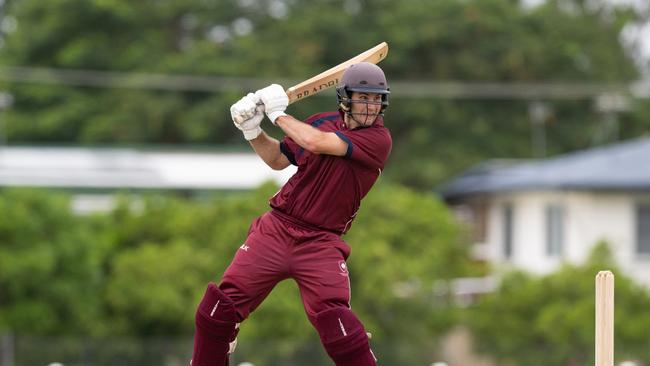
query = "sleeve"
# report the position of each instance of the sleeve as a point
(367, 146)
(290, 149)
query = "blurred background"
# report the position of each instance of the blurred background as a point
(520, 168)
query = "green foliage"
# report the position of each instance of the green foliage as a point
(141, 269)
(165, 251)
(487, 40)
(49, 265)
(550, 320)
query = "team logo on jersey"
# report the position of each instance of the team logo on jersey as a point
(343, 267)
(244, 247)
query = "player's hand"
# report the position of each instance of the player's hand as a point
(244, 108)
(247, 115)
(251, 127)
(275, 101)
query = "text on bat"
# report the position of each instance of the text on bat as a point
(317, 89)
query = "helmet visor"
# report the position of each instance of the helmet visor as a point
(361, 89)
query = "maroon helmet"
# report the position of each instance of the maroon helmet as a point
(362, 77)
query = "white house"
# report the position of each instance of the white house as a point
(536, 214)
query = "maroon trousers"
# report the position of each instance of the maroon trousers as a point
(278, 248)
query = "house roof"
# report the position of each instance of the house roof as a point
(620, 166)
(111, 168)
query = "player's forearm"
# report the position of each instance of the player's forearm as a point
(303, 134)
(268, 149)
(312, 139)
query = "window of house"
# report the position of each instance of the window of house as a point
(643, 228)
(554, 218)
(508, 228)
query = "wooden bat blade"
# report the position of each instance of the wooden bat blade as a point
(330, 78)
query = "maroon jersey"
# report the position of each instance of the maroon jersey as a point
(326, 191)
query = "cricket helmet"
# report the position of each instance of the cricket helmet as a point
(364, 77)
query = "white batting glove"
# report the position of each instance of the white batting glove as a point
(244, 108)
(275, 101)
(247, 115)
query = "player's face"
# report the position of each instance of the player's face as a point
(365, 107)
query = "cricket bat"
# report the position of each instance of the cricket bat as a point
(330, 78)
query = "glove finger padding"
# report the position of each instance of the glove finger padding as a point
(242, 111)
(253, 98)
(244, 108)
(247, 115)
(275, 100)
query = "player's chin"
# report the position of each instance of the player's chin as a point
(370, 119)
(365, 119)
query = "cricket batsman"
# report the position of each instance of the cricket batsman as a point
(339, 156)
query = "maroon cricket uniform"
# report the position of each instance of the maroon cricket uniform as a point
(300, 237)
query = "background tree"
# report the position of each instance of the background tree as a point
(550, 319)
(477, 41)
(50, 266)
(140, 270)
